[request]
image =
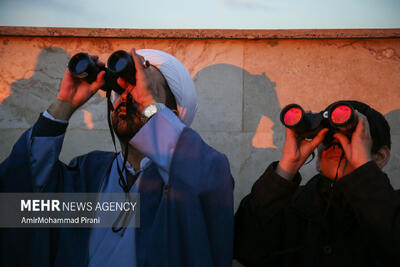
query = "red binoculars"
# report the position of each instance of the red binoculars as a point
(338, 117)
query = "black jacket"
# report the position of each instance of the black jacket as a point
(282, 224)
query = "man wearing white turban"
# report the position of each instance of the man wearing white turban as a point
(185, 186)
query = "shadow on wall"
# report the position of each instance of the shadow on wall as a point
(238, 114)
(30, 97)
(233, 100)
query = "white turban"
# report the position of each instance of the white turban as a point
(178, 79)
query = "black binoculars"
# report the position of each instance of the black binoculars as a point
(338, 117)
(120, 64)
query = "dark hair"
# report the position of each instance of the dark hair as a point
(378, 126)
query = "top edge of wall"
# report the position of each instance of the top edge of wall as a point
(199, 33)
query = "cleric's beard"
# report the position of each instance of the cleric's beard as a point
(126, 127)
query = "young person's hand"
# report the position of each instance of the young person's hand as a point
(296, 150)
(358, 150)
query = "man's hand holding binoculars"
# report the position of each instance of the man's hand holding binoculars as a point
(86, 75)
(74, 93)
(140, 92)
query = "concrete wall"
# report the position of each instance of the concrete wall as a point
(241, 86)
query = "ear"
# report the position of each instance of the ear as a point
(382, 156)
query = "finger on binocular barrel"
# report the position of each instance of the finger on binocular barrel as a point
(319, 137)
(135, 56)
(361, 116)
(99, 82)
(290, 132)
(121, 82)
(362, 120)
(141, 58)
(101, 75)
(344, 141)
(364, 125)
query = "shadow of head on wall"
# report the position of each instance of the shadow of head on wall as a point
(238, 114)
(31, 96)
(38, 89)
(233, 100)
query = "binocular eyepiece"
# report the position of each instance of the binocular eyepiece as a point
(338, 117)
(120, 64)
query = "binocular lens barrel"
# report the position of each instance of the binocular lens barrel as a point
(292, 116)
(120, 64)
(117, 64)
(83, 67)
(342, 117)
(304, 124)
(118, 61)
(341, 114)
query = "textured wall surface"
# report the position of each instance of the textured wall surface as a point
(241, 86)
